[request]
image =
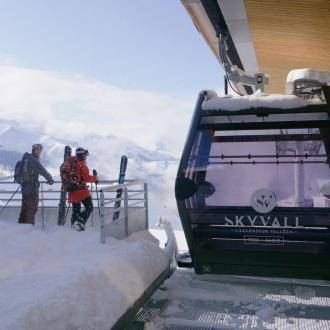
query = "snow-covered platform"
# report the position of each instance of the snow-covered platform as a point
(63, 279)
(189, 301)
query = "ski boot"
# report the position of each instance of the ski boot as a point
(78, 225)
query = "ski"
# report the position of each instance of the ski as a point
(121, 179)
(62, 204)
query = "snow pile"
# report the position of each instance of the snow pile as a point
(62, 279)
(322, 77)
(179, 235)
(257, 100)
(304, 293)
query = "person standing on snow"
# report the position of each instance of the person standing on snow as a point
(31, 169)
(82, 194)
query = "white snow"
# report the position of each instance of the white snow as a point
(62, 279)
(256, 100)
(179, 235)
(304, 293)
(309, 74)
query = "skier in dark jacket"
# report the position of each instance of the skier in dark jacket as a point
(30, 186)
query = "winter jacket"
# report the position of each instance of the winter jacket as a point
(36, 169)
(83, 177)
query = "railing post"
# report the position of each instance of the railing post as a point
(42, 206)
(102, 228)
(126, 210)
(145, 186)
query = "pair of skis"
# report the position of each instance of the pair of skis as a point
(121, 180)
(62, 205)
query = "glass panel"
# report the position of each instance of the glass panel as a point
(295, 170)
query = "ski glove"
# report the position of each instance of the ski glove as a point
(95, 174)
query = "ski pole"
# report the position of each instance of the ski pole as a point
(67, 211)
(97, 194)
(92, 215)
(10, 199)
(98, 201)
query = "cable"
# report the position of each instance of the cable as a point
(221, 54)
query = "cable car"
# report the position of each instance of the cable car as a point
(253, 186)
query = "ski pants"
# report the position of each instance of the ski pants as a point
(29, 208)
(83, 216)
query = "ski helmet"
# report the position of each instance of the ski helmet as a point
(80, 152)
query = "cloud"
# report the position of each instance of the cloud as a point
(70, 106)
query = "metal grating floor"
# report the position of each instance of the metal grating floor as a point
(218, 302)
(149, 312)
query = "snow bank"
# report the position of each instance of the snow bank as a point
(179, 235)
(62, 279)
(257, 100)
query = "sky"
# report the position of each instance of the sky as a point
(142, 44)
(128, 68)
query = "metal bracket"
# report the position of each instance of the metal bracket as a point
(236, 75)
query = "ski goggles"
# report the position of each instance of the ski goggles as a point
(82, 152)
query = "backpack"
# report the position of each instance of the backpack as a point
(69, 175)
(23, 171)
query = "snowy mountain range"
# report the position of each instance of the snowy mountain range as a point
(157, 167)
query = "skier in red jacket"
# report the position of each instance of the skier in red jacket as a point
(81, 195)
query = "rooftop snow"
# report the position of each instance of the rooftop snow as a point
(257, 100)
(308, 74)
(63, 279)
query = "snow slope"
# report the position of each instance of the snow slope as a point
(17, 139)
(62, 279)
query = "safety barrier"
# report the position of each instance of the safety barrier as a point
(132, 213)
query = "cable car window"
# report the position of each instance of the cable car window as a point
(229, 166)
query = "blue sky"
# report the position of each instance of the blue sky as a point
(148, 45)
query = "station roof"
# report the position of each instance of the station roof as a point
(269, 36)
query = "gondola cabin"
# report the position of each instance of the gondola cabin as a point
(253, 186)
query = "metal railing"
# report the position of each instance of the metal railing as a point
(132, 213)
(49, 198)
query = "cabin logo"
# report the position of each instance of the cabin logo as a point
(263, 201)
(262, 221)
